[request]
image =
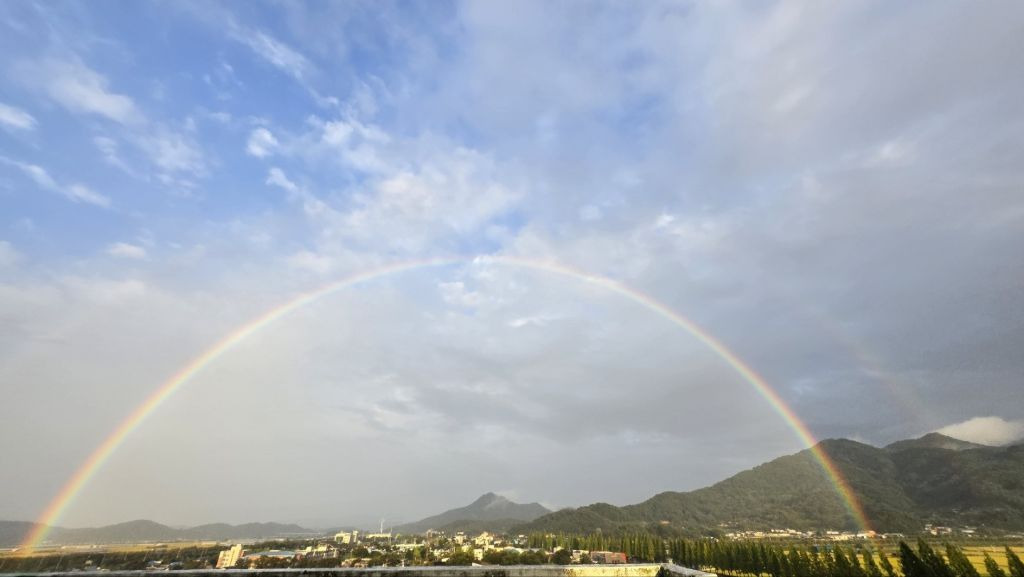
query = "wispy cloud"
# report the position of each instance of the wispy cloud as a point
(261, 143)
(126, 250)
(75, 192)
(173, 151)
(11, 117)
(79, 89)
(9, 256)
(277, 177)
(267, 46)
(273, 51)
(82, 193)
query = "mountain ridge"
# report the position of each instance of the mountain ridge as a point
(932, 479)
(13, 533)
(933, 441)
(489, 511)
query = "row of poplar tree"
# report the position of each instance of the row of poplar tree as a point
(835, 561)
(753, 558)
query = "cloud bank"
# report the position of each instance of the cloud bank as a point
(986, 431)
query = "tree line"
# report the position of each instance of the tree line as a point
(774, 560)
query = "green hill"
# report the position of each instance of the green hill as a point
(934, 479)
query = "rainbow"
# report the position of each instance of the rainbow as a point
(102, 453)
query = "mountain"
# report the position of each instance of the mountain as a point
(13, 532)
(934, 441)
(934, 479)
(217, 531)
(490, 512)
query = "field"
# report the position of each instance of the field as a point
(976, 553)
(112, 548)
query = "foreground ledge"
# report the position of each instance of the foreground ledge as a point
(627, 570)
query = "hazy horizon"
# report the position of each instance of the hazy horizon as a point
(831, 192)
(392, 523)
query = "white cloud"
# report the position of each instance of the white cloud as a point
(80, 89)
(273, 51)
(986, 430)
(82, 193)
(357, 145)
(261, 143)
(125, 250)
(174, 152)
(40, 176)
(448, 197)
(455, 293)
(896, 152)
(590, 213)
(109, 148)
(12, 117)
(75, 192)
(311, 261)
(277, 177)
(106, 291)
(532, 321)
(8, 255)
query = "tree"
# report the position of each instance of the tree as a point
(533, 558)
(936, 564)
(911, 564)
(461, 558)
(959, 563)
(870, 567)
(360, 552)
(844, 567)
(562, 557)
(886, 565)
(501, 557)
(1016, 566)
(993, 568)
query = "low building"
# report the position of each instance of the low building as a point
(275, 553)
(608, 557)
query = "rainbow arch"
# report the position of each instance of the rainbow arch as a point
(102, 453)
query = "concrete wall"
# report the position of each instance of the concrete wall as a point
(644, 570)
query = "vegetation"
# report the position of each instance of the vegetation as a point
(750, 558)
(180, 558)
(934, 480)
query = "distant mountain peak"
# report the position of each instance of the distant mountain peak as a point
(489, 507)
(934, 441)
(490, 500)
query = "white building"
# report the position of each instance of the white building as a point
(346, 537)
(229, 557)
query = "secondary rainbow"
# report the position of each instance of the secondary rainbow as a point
(99, 456)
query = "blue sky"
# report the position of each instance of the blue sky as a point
(834, 191)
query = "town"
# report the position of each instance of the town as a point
(777, 552)
(355, 549)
